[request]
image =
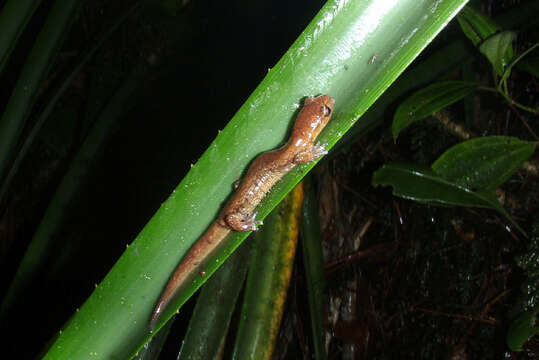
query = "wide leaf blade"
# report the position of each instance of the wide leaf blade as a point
(428, 101)
(483, 163)
(420, 183)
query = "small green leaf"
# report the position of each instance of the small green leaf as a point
(498, 50)
(429, 100)
(476, 26)
(483, 163)
(522, 329)
(487, 35)
(516, 61)
(420, 183)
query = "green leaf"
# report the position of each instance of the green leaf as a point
(35, 69)
(209, 324)
(268, 280)
(313, 262)
(13, 19)
(485, 34)
(152, 350)
(30, 138)
(476, 26)
(420, 183)
(531, 67)
(499, 50)
(483, 163)
(431, 68)
(429, 100)
(522, 329)
(91, 151)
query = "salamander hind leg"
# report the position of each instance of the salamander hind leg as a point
(242, 222)
(311, 154)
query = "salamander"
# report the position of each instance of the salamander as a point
(266, 170)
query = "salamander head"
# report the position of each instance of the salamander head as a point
(313, 117)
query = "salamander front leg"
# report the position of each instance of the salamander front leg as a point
(242, 222)
(311, 154)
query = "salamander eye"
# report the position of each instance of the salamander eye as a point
(325, 110)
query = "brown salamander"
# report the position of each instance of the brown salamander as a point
(268, 168)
